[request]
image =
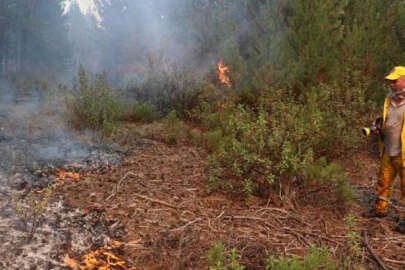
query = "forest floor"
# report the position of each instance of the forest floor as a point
(159, 195)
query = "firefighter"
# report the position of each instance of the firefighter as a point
(392, 145)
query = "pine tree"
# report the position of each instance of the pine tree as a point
(32, 36)
(45, 37)
(371, 46)
(314, 34)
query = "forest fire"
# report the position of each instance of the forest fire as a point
(99, 259)
(222, 73)
(64, 175)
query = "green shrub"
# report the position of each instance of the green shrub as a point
(259, 146)
(331, 175)
(212, 140)
(143, 112)
(282, 137)
(32, 209)
(243, 153)
(167, 86)
(353, 243)
(219, 258)
(317, 259)
(175, 129)
(94, 104)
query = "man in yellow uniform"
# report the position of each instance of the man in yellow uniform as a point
(392, 144)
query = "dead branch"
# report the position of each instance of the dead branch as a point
(376, 258)
(118, 185)
(273, 209)
(300, 238)
(394, 261)
(153, 200)
(319, 236)
(220, 215)
(124, 177)
(186, 225)
(388, 238)
(245, 217)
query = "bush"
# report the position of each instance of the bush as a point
(330, 176)
(142, 112)
(32, 209)
(251, 147)
(317, 259)
(175, 129)
(167, 86)
(243, 153)
(221, 259)
(94, 104)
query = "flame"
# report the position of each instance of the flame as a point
(116, 244)
(71, 263)
(64, 174)
(222, 73)
(98, 260)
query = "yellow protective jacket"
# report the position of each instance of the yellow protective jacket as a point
(381, 142)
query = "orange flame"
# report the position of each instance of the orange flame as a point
(64, 174)
(71, 263)
(97, 260)
(222, 73)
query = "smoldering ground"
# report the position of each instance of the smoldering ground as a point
(35, 142)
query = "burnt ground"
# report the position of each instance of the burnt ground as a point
(36, 232)
(160, 199)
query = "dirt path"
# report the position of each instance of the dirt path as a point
(160, 198)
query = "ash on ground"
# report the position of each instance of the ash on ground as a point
(61, 230)
(32, 149)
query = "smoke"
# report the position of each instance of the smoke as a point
(87, 7)
(33, 129)
(126, 38)
(123, 37)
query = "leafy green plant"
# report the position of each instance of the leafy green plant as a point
(175, 129)
(167, 86)
(253, 152)
(353, 243)
(317, 259)
(31, 209)
(143, 112)
(280, 139)
(94, 103)
(322, 173)
(219, 258)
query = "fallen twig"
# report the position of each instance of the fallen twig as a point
(273, 209)
(294, 231)
(311, 233)
(186, 225)
(299, 237)
(394, 261)
(376, 258)
(118, 185)
(388, 238)
(220, 215)
(153, 200)
(245, 217)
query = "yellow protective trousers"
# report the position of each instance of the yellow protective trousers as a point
(390, 168)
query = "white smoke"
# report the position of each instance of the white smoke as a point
(87, 7)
